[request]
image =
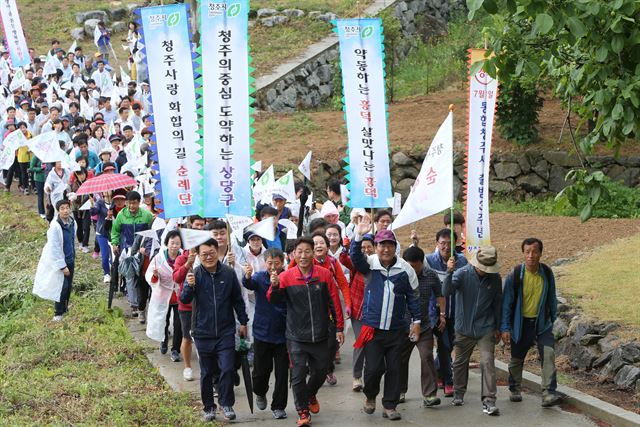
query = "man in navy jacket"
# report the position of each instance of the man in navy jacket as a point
(215, 293)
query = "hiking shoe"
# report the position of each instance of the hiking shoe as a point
(209, 415)
(279, 414)
(448, 390)
(142, 318)
(261, 402)
(187, 374)
(106, 278)
(516, 396)
(304, 419)
(550, 400)
(357, 384)
(175, 356)
(430, 401)
(391, 414)
(314, 405)
(229, 413)
(490, 408)
(57, 318)
(163, 347)
(402, 398)
(369, 406)
(331, 379)
(458, 400)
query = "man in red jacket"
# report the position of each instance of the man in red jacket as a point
(184, 263)
(312, 303)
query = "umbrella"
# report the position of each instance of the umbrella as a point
(106, 182)
(246, 371)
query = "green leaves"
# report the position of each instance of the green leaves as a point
(544, 23)
(617, 43)
(473, 6)
(576, 27)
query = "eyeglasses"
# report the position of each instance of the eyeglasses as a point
(208, 255)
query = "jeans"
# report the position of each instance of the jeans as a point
(464, 347)
(63, 306)
(358, 353)
(383, 358)
(427, 366)
(176, 341)
(216, 357)
(307, 359)
(271, 357)
(105, 253)
(40, 190)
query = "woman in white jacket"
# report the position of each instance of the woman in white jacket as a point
(56, 183)
(164, 298)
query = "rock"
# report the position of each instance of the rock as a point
(600, 161)
(524, 164)
(560, 328)
(602, 360)
(118, 13)
(561, 158)
(625, 355)
(532, 183)
(311, 99)
(325, 91)
(507, 170)
(627, 376)
(314, 14)
(262, 13)
(294, 13)
(132, 6)
(326, 17)
(403, 187)
(609, 343)
(401, 7)
(457, 188)
(77, 33)
(290, 97)
(272, 21)
(542, 169)
(271, 95)
(580, 357)
(100, 15)
(313, 81)
(325, 73)
(556, 178)
(118, 27)
(399, 173)
(630, 177)
(580, 326)
(90, 25)
(402, 159)
(334, 166)
(631, 162)
(590, 339)
(561, 261)
(501, 187)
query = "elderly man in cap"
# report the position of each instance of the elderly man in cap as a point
(478, 292)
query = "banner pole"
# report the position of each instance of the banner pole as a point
(453, 239)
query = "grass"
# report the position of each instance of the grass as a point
(588, 282)
(339, 7)
(301, 124)
(86, 370)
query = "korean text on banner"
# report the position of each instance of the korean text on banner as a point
(14, 35)
(225, 103)
(174, 108)
(362, 62)
(483, 94)
(433, 190)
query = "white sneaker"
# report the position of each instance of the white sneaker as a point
(57, 318)
(187, 374)
(84, 249)
(43, 216)
(107, 278)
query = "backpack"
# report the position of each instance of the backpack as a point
(517, 287)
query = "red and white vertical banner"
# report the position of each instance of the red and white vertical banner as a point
(14, 35)
(483, 94)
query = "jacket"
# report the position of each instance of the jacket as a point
(215, 298)
(335, 268)
(179, 275)
(126, 225)
(269, 320)
(439, 266)
(49, 277)
(388, 291)
(512, 302)
(36, 168)
(478, 301)
(100, 210)
(311, 304)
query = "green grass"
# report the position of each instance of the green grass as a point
(301, 124)
(86, 370)
(339, 7)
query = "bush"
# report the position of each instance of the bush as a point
(517, 114)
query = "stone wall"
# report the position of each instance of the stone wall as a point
(515, 174)
(311, 82)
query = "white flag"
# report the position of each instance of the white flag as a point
(292, 229)
(257, 166)
(149, 234)
(158, 224)
(285, 187)
(73, 46)
(86, 206)
(124, 76)
(12, 142)
(192, 238)
(344, 194)
(433, 190)
(85, 109)
(264, 228)
(263, 185)
(238, 223)
(305, 166)
(394, 203)
(96, 35)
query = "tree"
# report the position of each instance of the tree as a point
(590, 50)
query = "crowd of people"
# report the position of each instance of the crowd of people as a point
(288, 299)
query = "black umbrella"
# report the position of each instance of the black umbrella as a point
(243, 350)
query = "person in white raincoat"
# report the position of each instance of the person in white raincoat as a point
(54, 275)
(164, 299)
(56, 183)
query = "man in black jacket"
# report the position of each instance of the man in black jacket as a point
(215, 293)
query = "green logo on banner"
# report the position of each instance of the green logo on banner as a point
(284, 180)
(265, 179)
(367, 32)
(233, 10)
(173, 19)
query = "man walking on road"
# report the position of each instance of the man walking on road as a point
(478, 291)
(529, 308)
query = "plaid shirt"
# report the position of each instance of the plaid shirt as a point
(356, 289)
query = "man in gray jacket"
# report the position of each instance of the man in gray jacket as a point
(478, 292)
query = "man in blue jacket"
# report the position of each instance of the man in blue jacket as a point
(529, 309)
(269, 341)
(215, 293)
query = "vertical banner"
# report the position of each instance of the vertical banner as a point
(14, 35)
(224, 99)
(483, 93)
(169, 61)
(362, 62)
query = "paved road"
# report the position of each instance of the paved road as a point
(342, 407)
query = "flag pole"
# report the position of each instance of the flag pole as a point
(453, 238)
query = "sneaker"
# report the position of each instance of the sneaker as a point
(331, 379)
(430, 401)
(142, 318)
(95, 255)
(229, 413)
(337, 359)
(163, 347)
(369, 406)
(402, 398)
(187, 374)
(490, 408)
(209, 415)
(279, 414)
(26, 192)
(357, 384)
(516, 396)
(391, 414)
(57, 318)
(43, 216)
(448, 390)
(458, 400)
(84, 249)
(261, 402)
(134, 312)
(175, 356)
(314, 405)
(304, 419)
(106, 278)
(550, 400)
